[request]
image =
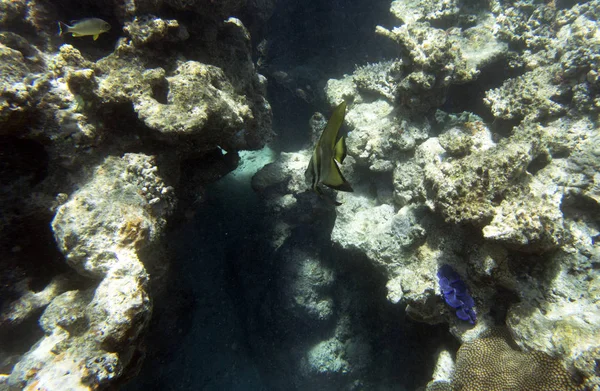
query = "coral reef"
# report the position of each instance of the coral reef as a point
(100, 230)
(473, 153)
(94, 137)
(506, 195)
(434, 59)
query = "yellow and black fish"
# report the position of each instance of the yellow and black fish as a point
(328, 153)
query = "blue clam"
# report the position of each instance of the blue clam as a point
(455, 294)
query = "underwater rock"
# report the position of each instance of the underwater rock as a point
(579, 172)
(442, 373)
(532, 221)
(373, 138)
(563, 322)
(14, 67)
(344, 356)
(283, 186)
(515, 201)
(465, 190)
(456, 142)
(35, 20)
(408, 183)
(532, 218)
(205, 104)
(31, 301)
(22, 81)
(149, 29)
(526, 97)
(68, 127)
(206, 11)
(557, 61)
(379, 134)
(513, 194)
(92, 336)
(534, 190)
(525, 25)
(432, 61)
(433, 58)
(194, 103)
(11, 10)
(398, 243)
(285, 175)
(67, 311)
(129, 215)
(378, 78)
(305, 281)
(365, 226)
(327, 357)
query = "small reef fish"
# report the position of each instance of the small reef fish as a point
(84, 27)
(328, 153)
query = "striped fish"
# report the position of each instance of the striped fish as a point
(328, 153)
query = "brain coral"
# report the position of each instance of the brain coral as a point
(493, 363)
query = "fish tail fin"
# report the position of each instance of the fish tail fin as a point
(60, 28)
(335, 179)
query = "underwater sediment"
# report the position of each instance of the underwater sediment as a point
(472, 146)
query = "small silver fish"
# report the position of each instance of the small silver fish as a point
(84, 27)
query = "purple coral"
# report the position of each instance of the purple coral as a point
(456, 295)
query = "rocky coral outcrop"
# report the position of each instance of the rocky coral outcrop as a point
(434, 59)
(561, 61)
(557, 326)
(526, 97)
(502, 203)
(508, 197)
(92, 336)
(145, 30)
(73, 120)
(30, 301)
(22, 79)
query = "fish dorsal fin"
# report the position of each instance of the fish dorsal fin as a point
(335, 179)
(330, 134)
(340, 150)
